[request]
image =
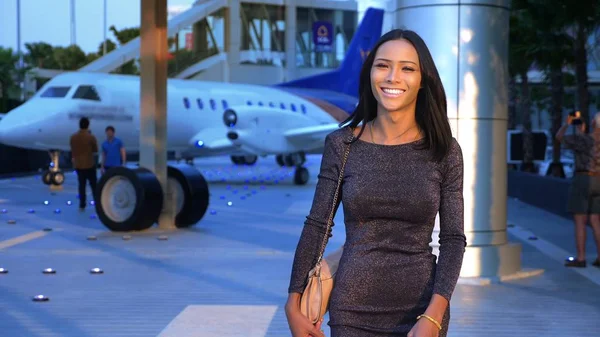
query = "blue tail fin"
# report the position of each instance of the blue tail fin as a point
(345, 78)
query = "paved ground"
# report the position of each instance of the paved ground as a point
(228, 276)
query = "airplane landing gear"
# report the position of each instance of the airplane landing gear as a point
(132, 199)
(297, 159)
(53, 176)
(244, 160)
(291, 160)
(301, 175)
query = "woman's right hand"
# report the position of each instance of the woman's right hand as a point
(300, 325)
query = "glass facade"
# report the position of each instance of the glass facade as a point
(313, 53)
(594, 51)
(263, 34)
(322, 37)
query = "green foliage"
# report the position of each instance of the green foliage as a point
(124, 35)
(10, 74)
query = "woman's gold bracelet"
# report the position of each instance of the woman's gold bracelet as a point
(439, 326)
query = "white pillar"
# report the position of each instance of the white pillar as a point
(232, 38)
(153, 114)
(290, 40)
(469, 44)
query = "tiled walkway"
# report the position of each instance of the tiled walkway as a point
(228, 276)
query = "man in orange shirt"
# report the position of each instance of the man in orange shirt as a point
(83, 147)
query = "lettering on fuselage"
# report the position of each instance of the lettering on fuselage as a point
(106, 113)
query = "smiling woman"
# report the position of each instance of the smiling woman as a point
(395, 179)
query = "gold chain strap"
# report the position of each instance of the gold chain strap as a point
(335, 197)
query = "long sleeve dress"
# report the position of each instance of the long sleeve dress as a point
(387, 273)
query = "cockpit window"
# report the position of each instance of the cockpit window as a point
(56, 92)
(86, 92)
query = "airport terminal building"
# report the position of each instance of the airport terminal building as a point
(254, 41)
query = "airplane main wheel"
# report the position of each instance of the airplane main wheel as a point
(128, 199)
(279, 160)
(250, 160)
(47, 177)
(57, 178)
(288, 160)
(244, 160)
(191, 194)
(301, 176)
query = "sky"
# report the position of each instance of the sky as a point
(49, 21)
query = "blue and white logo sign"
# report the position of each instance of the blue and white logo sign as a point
(323, 36)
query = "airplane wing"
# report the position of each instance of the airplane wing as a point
(211, 142)
(310, 134)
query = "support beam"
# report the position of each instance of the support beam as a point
(470, 48)
(233, 38)
(153, 116)
(291, 32)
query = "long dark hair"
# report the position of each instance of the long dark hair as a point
(431, 114)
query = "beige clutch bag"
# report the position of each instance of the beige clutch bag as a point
(314, 301)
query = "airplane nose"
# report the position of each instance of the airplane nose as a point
(9, 131)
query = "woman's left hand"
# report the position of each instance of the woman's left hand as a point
(424, 328)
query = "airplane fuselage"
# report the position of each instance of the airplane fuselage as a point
(194, 109)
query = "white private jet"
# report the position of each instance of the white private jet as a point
(203, 119)
(287, 120)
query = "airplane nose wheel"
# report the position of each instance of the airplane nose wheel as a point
(57, 178)
(53, 175)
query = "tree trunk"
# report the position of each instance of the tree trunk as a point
(581, 74)
(512, 103)
(3, 101)
(558, 91)
(525, 106)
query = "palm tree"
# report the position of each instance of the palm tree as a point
(552, 53)
(70, 58)
(40, 55)
(521, 36)
(9, 75)
(123, 36)
(584, 17)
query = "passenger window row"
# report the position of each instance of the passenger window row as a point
(213, 104)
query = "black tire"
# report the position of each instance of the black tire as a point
(57, 178)
(195, 194)
(279, 160)
(147, 204)
(288, 160)
(46, 177)
(301, 176)
(302, 158)
(249, 160)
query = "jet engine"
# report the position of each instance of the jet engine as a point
(262, 130)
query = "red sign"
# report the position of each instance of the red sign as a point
(189, 41)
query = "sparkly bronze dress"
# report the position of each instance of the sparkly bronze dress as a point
(387, 273)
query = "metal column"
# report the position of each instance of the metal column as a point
(153, 114)
(290, 40)
(468, 40)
